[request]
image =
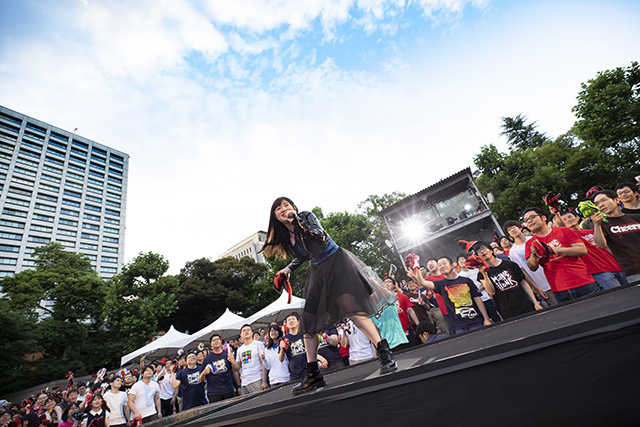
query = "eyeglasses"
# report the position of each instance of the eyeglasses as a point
(530, 218)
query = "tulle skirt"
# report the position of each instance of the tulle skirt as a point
(340, 286)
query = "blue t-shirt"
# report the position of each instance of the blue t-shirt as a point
(458, 296)
(192, 388)
(296, 355)
(220, 379)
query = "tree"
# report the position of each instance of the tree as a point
(137, 297)
(206, 288)
(521, 135)
(17, 338)
(59, 330)
(608, 113)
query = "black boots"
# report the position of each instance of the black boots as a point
(387, 364)
(312, 379)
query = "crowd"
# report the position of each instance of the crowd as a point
(549, 257)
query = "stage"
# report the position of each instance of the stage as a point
(575, 364)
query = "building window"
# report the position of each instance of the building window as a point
(11, 224)
(91, 217)
(9, 248)
(52, 169)
(109, 259)
(110, 239)
(112, 212)
(91, 257)
(109, 249)
(93, 199)
(96, 182)
(67, 232)
(75, 176)
(91, 226)
(89, 236)
(8, 261)
(19, 202)
(111, 230)
(42, 217)
(88, 246)
(74, 185)
(68, 212)
(109, 270)
(112, 221)
(38, 239)
(11, 236)
(45, 207)
(51, 178)
(49, 187)
(47, 197)
(71, 203)
(13, 212)
(93, 208)
(40, 228)
(66, 243)
(68, 222)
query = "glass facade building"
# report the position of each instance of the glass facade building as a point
(58, 186)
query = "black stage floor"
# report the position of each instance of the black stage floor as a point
(575, 364)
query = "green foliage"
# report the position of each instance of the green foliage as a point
(17, 337)
(602, 148)
(68, 281)
(521, 135)
(608, 113)
(205, 288)
(138, 297)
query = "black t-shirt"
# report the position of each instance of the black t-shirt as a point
(458, 295)
(220, 380)
(510, 296)
(296, 355)
(192, 388)
(329, 352)
(623, 238)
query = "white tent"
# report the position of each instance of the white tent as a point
(277, 311)
(218, 325)
(164, 342)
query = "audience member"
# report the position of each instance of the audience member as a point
(217, 369)
(620, 233)
(144, 398)
(566, 272)
(189, 380)
(253, 374)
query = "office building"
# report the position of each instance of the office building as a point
(58, 186)
(248, 247)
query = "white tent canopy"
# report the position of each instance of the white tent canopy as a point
(274, 312)
(163, 342)
(221, 323)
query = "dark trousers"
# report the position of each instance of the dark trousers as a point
(219, 397)
(166, 407)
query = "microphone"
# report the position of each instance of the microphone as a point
(292, 215)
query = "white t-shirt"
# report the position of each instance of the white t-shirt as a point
(249, 355)
(278, 371)
(516, 254)
(166, 391)
(145, 397)
(116, 403)
(359, 345)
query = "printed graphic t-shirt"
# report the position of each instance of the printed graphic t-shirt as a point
(249, 356)
(296, 355)
(510, 296)
(220, 379)
(623, 238)
(192, 388)
(458, 295)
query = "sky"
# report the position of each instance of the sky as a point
(224, 106)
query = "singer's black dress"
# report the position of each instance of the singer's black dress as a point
(339, 283)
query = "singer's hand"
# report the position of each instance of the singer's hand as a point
(286, 271)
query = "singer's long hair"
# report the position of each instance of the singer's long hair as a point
(277, 234)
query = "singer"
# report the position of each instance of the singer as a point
(339, 285)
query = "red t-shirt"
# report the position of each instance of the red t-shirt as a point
(441, 305)
(563, 272)
(402, 304)
(597, 260)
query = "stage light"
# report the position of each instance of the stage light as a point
(412, 229)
